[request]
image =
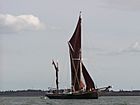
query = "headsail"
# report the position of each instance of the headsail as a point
(88, 80)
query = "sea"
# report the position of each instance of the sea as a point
(108, 100)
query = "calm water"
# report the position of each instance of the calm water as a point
(123, 100)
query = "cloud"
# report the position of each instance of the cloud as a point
(10, 23)
(134, 48)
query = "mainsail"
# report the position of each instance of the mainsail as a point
(77, 67)
(75, 56)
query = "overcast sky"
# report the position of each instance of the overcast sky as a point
(33, 32)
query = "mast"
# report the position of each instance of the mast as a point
(56, 68)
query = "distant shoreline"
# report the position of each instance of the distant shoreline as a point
(35, 93)
(23, 93)
(120, 93)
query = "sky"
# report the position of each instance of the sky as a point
(33, 32)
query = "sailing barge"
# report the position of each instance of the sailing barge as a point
(79, 89)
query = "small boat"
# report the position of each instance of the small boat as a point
(82, 85)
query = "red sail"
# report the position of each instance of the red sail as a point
(88, 80)
(75, 56)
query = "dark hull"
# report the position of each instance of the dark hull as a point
(85, 95)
